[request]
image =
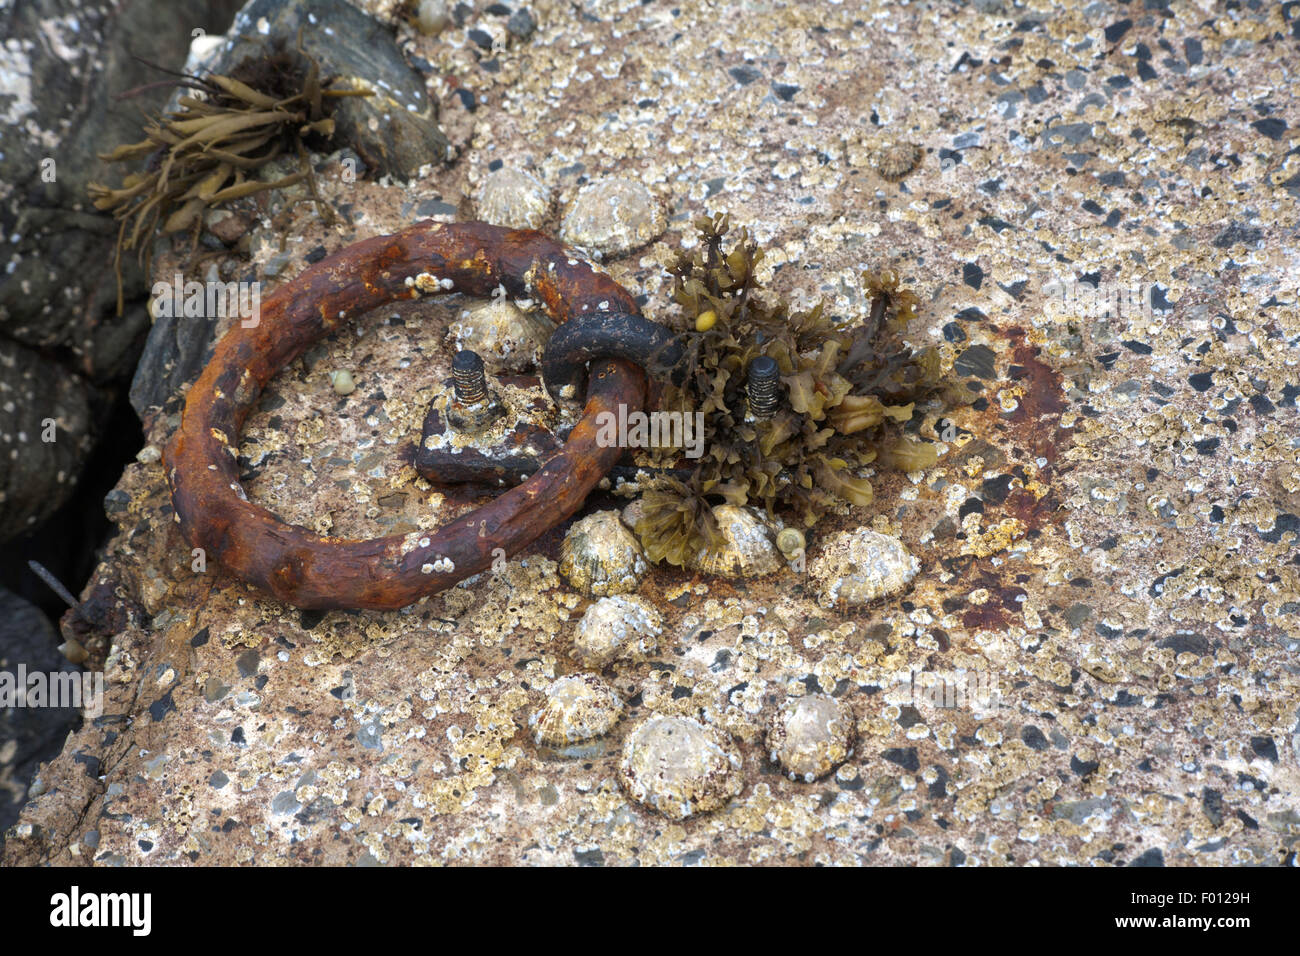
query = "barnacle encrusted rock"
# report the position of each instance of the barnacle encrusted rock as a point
(510, 196)
(679, 767)
(613, 216)
(810, 736)
(857, 567)
(618, 627)
(746, 550)
(505, 336)
(600, 556)
(577, 708)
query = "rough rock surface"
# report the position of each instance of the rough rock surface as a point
(1096, 664)
(62, 65)
(28, 735)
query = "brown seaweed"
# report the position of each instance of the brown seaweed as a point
(846, 389)
(206, 151)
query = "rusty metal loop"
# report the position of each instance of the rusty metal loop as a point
(310, 571)
(604, 335)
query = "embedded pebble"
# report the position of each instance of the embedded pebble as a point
(612, 216)
(679, 767)
(811, 736)
(509, 196)
(577, 708)
(600, 556)
(505, 336)
(747, 549)
(621, 627)
(522, 24)
(857, 567)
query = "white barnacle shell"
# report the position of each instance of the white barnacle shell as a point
(620, 627)
(746, 549)
(857, 567)
(600, 556)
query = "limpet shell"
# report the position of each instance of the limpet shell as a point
(810, 736)
(857, 567)
(748, 551)
(618, 627)
(577, 708)
(679, 767)
(600, 556)
(505, 336)
(895, 160)
(512, 197)
(613, 216)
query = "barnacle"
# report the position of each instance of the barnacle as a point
(844, 388)
(203, 153)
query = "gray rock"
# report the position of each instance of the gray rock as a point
(45, 433)
(174, 354)
(1067, 133)
(66, 62)
(28, 735)
(66, 111)
(522, 24)
(395, 130)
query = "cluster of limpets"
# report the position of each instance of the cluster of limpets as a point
(600, 554)
(743, 512)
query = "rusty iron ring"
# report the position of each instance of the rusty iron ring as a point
(310, 571)
(622, 335)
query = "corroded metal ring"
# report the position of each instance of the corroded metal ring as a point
(601, 335)
(311, 571)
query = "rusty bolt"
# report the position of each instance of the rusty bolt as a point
(761, 387)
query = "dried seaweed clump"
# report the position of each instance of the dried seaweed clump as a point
(842, 390)
(203, 153)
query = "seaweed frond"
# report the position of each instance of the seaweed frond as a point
(846, 390)
(203, 153)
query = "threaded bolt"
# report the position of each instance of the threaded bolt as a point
(761, 387)
(468, 379)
